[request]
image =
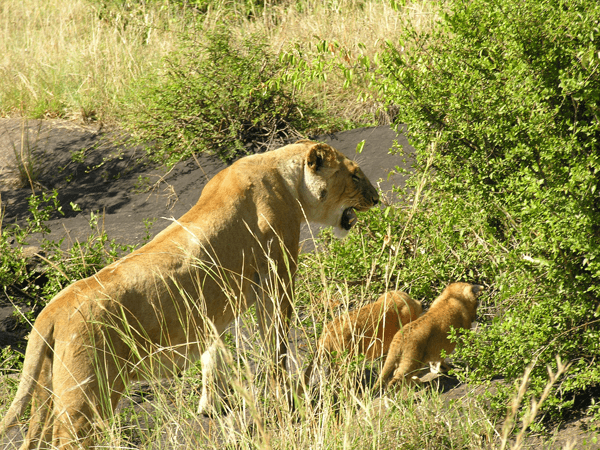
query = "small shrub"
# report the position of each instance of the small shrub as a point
(34, 285)
(510, 92)
(220, 94)
(18, 278)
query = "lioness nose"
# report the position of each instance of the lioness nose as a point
(375, 199)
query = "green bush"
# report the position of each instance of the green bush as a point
(223, 95)
(18, 279)
(419, 252)
(509, 91)
(33, 284)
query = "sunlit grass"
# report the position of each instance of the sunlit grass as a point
(60, 58)
(80, 59)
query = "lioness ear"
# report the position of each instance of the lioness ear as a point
(320, 155)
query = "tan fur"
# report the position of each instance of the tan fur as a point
(423, 340)
(158, 308)
(368, 330)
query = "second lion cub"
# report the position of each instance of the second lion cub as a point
(368, 330)
(423, 340)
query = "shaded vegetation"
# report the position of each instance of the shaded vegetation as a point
(509, 92)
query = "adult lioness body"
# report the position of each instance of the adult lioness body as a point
(155, 309)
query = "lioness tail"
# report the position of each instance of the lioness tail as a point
(40, 342)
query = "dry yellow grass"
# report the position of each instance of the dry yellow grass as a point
(73, 59)
(59, 57)
(345, 22)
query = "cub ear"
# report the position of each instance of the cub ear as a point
(320, 155)
(477, 289)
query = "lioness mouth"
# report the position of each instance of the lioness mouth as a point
(348, 218)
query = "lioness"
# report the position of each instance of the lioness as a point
(155, 309)
(422, 341)
(368, 330)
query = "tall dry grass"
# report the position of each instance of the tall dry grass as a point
(79, 59)
(60, 58)
(352, 24)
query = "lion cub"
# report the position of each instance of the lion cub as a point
(368, 330)
(423, 340)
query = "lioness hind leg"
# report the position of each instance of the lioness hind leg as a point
(70, 424)
(79, 418)
(39, 434)
(81, 405)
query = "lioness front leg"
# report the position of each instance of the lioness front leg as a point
(274, 320)
(214, 380)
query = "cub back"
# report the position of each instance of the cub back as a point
(370, 329)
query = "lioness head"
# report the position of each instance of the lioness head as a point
(336, 187)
